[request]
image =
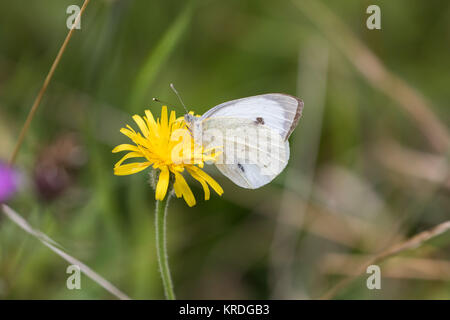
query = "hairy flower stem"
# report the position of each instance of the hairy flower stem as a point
(161, 248)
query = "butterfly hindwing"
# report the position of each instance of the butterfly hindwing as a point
(252, 154)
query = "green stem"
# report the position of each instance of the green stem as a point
(161, 249)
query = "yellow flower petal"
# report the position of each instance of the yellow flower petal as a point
(177, 190)
(202, 181)
(125, 147)
(217, 188)
(184, 189)
(164, 122)
(130, 168)
(129, 155)
(136, 137)
(130, 134)
(163, 183)
(141, 124)
(172, 117)
(151, 122)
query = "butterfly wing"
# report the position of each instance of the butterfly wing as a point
(280, 112)
(248, 163)
(251, 175)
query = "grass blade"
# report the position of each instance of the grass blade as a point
(51, 244)
(158, 56)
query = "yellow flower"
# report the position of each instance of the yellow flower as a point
(167, 145)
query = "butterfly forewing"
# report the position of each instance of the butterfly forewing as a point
(280, 112)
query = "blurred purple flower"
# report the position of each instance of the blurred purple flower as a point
(8, 182)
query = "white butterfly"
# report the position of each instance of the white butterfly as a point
(251, 162)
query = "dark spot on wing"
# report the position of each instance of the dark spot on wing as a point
(259, 120)
(241, 167)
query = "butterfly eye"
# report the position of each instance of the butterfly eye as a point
(188, 118)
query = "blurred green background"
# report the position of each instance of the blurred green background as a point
(368, 167)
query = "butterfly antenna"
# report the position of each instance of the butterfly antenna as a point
(162, 101)
(179, 97)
